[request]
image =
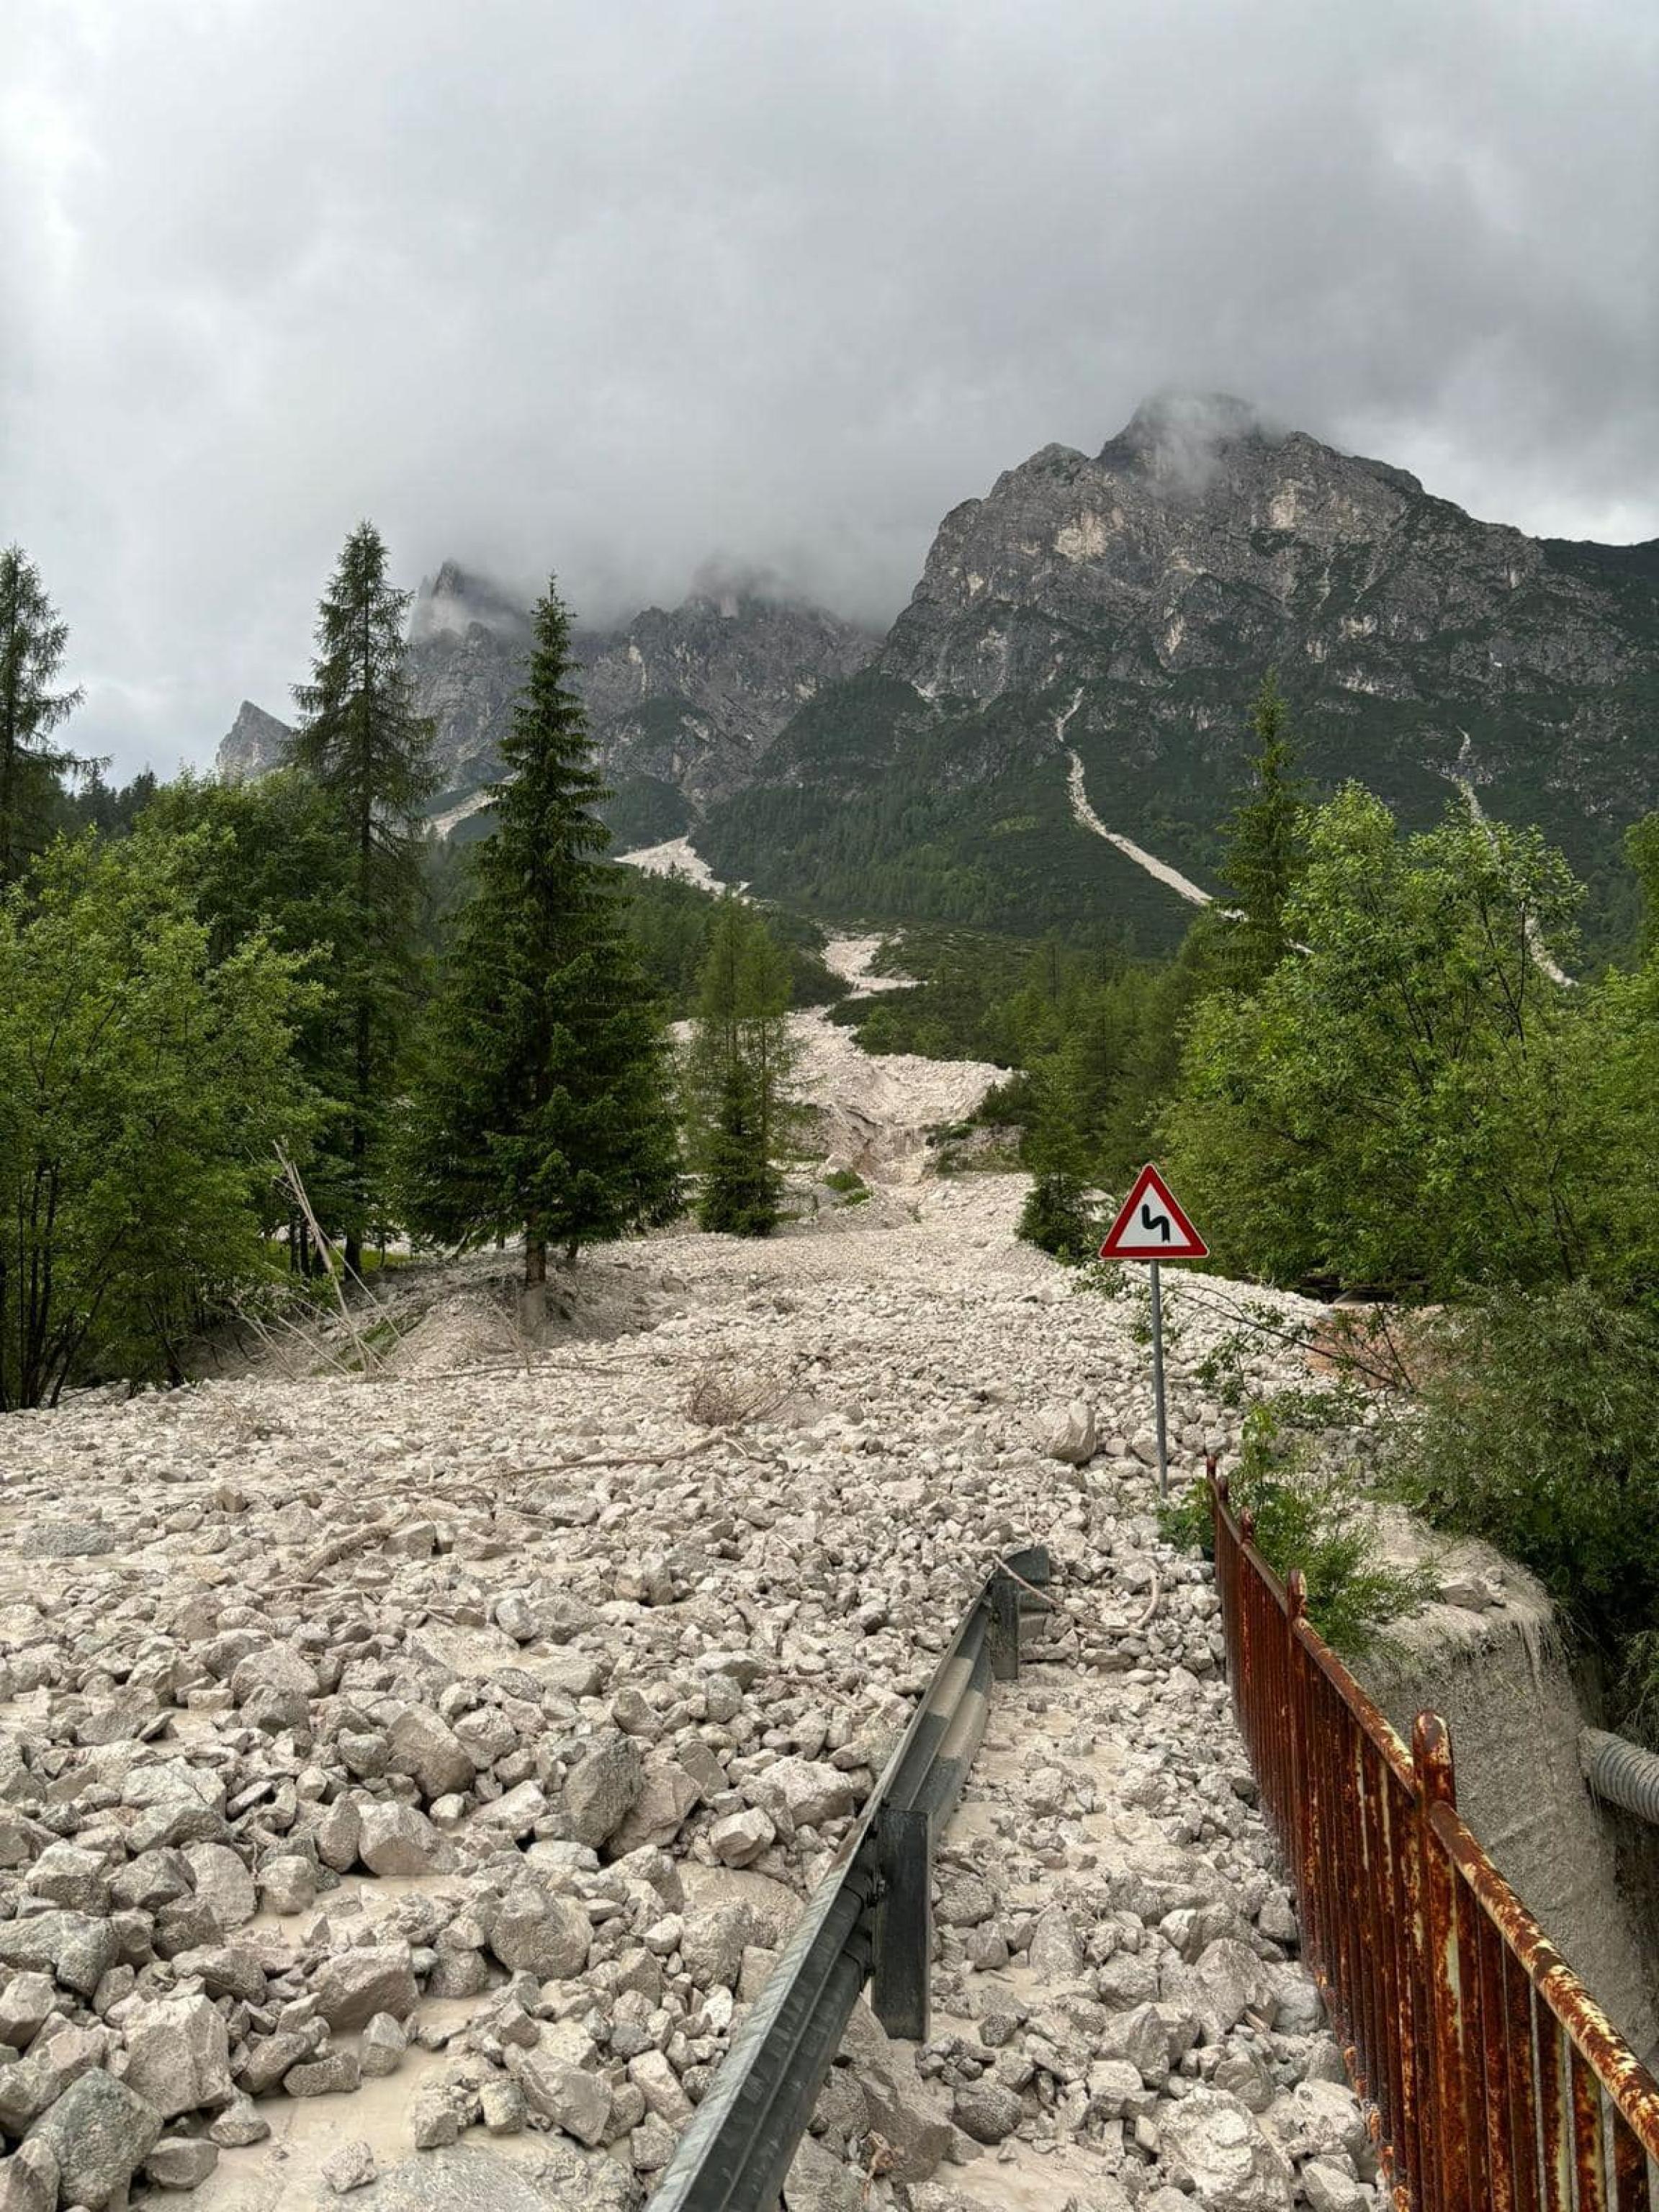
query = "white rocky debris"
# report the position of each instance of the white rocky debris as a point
(407, 1781)
(675, 856)
(1085, 816)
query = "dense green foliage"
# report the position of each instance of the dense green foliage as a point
(670, 919)
(542, 1103)
(361, 744)
(1400, 1103)
(740, 1117)
(143, 1084)
(32, 641)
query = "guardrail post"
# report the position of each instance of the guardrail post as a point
(1004, 1595)
(903, 1930)
(1431, 1760)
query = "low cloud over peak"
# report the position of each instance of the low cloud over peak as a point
(597, 291)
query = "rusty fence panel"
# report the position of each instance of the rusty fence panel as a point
(1492, 2082)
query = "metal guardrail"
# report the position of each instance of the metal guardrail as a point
(872, 1911)
(1492, 2078)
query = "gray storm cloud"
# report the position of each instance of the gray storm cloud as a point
(623, 291)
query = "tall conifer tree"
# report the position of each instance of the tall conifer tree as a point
(1266, 848)
(542, 1104)
(362, 740)
(32, 641)
(741, 1115)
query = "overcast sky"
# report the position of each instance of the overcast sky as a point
(620, 288)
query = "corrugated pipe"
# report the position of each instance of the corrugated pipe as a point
(1622, 1772)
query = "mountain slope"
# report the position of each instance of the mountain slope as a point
(683, 703)
(1153, 585)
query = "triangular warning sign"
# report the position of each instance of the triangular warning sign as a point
(1151, 1226)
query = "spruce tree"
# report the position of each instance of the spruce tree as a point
(543, 1100)
(741, 1115)
(32, 641)
(1057, 1217)
(1265, 849)
(360, 740)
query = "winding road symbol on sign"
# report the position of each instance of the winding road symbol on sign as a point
(1150, 1226)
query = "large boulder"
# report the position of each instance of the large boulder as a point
(1069, 1434)
(534, 1933)
(1213, 2147)
(600, 1790)
(353, 1986)
(100, 2133)
(179, 2054)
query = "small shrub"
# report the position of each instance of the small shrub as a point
(728, 1397)
(1058, 1220)
(1310, 1516)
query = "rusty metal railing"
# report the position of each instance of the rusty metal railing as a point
(1491, 2078)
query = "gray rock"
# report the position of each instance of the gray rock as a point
(27, 2004)
(77, 1949)
(740, 1837)
(335, 2074)
(71, 1540)
(541, 1935)
(382, 2045)
(351, 2166)
(1055, 1954)
(986, 2111)
(667, 1795)
(803, 1793)
(352, 1986)
(600, 1790)
(240, 2124)
(1069, 1434)
(819, 2182)
(429, 1749)
(179, 2054)
(338, 1831)
(434, 2119)
(29, 2179)
(914, 2116)
(398, 1840)
(569, 2095)
(100, 2133)
(289, 1885)
(1330, 2188)
(222, 1883)
(713, 1939)
(1211, 2145)
(502, 2107)
(181, 2162)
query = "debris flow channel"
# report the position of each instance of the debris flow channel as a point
(407, 1780)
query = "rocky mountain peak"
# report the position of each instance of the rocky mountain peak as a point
(255, 745)
(449, 604)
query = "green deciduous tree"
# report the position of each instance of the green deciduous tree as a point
(1404, 1102)
(543, 1100)
(32, 641)
(741, 1119)
(362, 742)
(1266, 850)
(142, 1088)
(272, 858)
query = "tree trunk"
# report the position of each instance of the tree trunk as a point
(532, 1299)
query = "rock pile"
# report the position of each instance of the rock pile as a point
(480, 1733)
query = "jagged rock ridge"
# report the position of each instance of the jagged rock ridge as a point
(1132, 601)
(684, 702)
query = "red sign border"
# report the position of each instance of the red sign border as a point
(1150, 1179)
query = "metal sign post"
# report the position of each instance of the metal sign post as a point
(1151, 1226)
(1158, 1382)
